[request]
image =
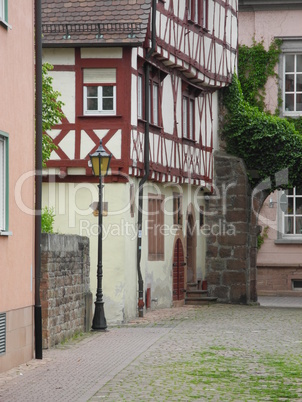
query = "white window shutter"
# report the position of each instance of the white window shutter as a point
(99, 76)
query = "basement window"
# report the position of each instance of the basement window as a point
(2, 333)
(297, 284)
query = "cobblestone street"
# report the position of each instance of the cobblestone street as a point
(207, 353)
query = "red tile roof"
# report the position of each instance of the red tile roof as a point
(71, 22)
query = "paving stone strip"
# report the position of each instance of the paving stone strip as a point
(78, 372)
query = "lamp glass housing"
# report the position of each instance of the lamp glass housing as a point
(100, 161)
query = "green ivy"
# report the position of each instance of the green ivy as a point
(266, 143)
(255, 65)
(297, 122)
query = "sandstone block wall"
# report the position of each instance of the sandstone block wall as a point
(64, 290)
(232, 240)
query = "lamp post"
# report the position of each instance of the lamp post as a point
(100, 161)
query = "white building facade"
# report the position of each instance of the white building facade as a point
(147, 86)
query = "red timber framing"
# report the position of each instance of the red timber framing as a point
(86, 128)
(199, 57)
(206, 53)
(196, 59)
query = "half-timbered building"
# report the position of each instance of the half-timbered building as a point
(144, 77)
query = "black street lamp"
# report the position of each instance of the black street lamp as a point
(100, 161)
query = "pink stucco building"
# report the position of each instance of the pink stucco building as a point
(17, 159)
(279, 260)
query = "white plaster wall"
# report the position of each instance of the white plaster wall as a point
(215, 114)
(72, 201)
(167, 106)
(56, 56)
(133, 99)
(102, 53)
(64, 83)
(158, 274)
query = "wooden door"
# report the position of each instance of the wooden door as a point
(190, 250)
(178, 272)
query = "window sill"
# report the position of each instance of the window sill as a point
(5, 24)
(156, 257)
(5, 233)
(292, 114)
(188, 140)
(198, 25)
(155, 126)
(288, 241)
(84, 116)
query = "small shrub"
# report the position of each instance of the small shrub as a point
(47, 220)
(263, 235)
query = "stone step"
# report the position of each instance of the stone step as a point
(196, 293)
(198, 301)
(192, 286)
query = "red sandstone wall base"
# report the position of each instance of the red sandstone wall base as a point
(278, 281)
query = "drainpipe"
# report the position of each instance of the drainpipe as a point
(146, 166)
(38, 184)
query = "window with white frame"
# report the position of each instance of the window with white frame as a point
(292, 83)
(3, 10)
(99, 91)
(292, 215)
(3, 181)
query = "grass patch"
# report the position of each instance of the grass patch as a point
(234, 373)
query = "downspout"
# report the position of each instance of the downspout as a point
(146, 165)
(38, 183)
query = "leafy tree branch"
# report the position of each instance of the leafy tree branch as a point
(51, 111)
